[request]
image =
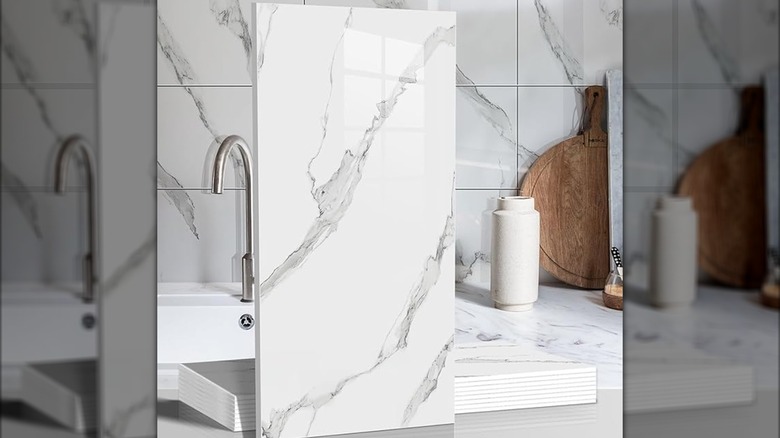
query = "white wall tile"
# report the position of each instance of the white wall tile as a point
(472, 224)
(487, 40)
(41, 34)
(486, 137)
(207, 250)
(46, 234)
(201, 45)
(705, 117)
(33, 121)
(602, 38)
(649, 152)
(638, 209)
(188, 120)
(550, 42)
(708, 42)
(649, 36)
(546, 116)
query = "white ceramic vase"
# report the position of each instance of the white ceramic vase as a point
(673, 253)
(514, 260)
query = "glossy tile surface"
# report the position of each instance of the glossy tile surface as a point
(356, 268)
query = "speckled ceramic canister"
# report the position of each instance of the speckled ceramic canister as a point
(514, 259)
(673, 253)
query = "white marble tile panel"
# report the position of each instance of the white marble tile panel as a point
(486, 137)
(637, 216)
(355, 213)
(35, 122)
(206, 248)
(650, 145)
(190, 124)
(49, 42)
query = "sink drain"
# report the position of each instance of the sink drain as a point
(246, 321)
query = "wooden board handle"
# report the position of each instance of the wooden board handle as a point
(595, 136)
(751, 120)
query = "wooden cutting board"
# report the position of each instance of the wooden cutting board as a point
(726, 186)
(569, 186)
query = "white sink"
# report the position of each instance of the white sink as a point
(43, 323)
(199, 322)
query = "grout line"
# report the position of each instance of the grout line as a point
(204, 86)
(517, 95)
(466, 189)
(675, 92)
(196, 189)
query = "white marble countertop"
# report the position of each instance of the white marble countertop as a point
(722, 322)
(568, 322)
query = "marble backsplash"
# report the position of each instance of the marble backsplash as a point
(516, 96)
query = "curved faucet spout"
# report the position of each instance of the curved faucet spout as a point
(76, 144)
(227, 145)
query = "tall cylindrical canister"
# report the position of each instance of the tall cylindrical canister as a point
(673, 253)
(514, 260)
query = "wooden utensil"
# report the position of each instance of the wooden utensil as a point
(726, 186)
(569, 185)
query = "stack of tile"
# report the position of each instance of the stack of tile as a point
(64, 391)
(663, 377)
(490, 377)
(223, 391)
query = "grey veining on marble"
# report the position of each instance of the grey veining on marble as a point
(615, 144)
(565, 322)
(395, 342)
(22, 198)
(228, 14)
(263, 34)
(714, 42)
(571, 65)
(73, 14)
(326, 111)
(613, 12)
(429, 382)
(334, 197)
(179, 199)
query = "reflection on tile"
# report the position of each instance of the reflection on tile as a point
(214, 255)
(34, 57)
(486, 137)
(705, 117)
(370, 159)
(188, 133)
(35, 121)
(649, 48)
(649, 138)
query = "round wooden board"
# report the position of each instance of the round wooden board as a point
(726, 186)
(569, 186)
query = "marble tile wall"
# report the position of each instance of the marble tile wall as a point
(686, 61)
(44, 101)
(522, 65)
